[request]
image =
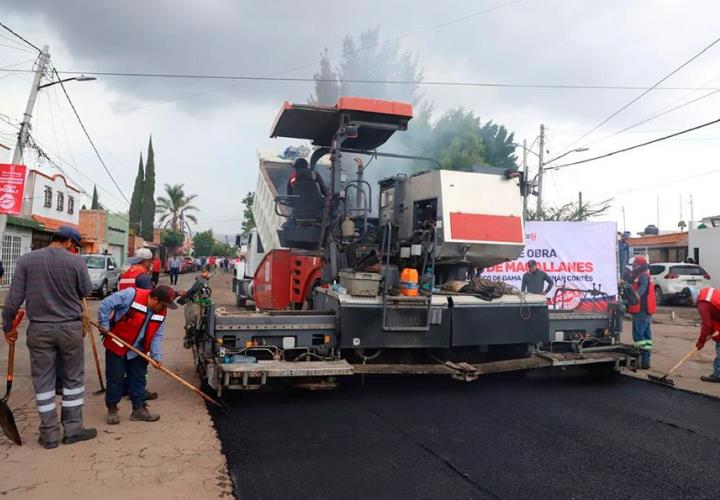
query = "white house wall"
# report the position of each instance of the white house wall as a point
(707, 241)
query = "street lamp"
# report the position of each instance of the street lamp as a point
(81, 78)
(577, 150)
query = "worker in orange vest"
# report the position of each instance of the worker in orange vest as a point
(643, 310)
(707, 302)
(137, 276)
(156, 264)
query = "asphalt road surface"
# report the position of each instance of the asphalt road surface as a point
(499, 437)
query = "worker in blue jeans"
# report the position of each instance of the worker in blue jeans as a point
(643, 309)
(137, 317)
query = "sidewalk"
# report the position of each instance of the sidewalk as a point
(177, 457)
(672, 339)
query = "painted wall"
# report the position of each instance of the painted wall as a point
(36, 184)
(707, 243)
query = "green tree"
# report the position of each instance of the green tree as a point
(368, 58)
(135, 214)
(95, 204)
(456, 141)
(499, 146)
(171, 238)
(248, 222)
(223, 249)
(204, 243)
(574, 211)
(175, 208)
(148, 197)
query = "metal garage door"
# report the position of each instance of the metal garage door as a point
(117, 252)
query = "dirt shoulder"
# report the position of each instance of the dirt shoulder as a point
(675, 331)
(176, 457)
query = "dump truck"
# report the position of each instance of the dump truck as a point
(355, 279)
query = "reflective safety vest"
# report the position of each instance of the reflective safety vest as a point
(711, 295)
(127, 280)
(651, 303)
(129, 326)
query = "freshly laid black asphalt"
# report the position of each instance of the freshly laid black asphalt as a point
(499, 437)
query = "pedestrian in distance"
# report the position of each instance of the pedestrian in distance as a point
(156, 264)
(534, 279)
(138, 275)
(175, 266)
(642, 309)
(138, 317)
(52, 282)
(707, 302)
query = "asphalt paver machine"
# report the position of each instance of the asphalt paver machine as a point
(354, 278)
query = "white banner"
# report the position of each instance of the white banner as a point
(580, 257)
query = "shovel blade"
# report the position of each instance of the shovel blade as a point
(662, 380)
(7, 422)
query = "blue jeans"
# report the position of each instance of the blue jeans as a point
(116, 368)
(716, 363)
(642, 334)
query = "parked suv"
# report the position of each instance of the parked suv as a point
(671, 277)
(104, 273)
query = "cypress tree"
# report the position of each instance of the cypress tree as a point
(95, 203)
(148, 197)
(135, 214)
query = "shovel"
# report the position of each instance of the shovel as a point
(7, 421)
(160, 367)
(88, 329)
(668, 381)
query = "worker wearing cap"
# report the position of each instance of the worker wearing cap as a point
(533, 281)
(707, 302)
(138, 317)
(138, 275)
(642, 309)
(52, 282)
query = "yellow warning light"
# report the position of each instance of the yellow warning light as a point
(327, 339)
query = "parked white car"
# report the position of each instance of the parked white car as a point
(671, 277)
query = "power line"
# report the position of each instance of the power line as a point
(21, 38)
(623, 150)
(643, 94)
(82, 125)
(561, 86)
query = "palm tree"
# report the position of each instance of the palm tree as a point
(175, 207)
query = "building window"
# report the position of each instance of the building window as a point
(61, 202)
(48, 197)
(10, 254)
(71, 205)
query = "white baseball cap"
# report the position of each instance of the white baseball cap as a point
(141, 254)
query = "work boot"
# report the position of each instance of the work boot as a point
(710, 378)
(113, 415)
(49, 445)
(150, 395)
(83, 435)
(144, 415)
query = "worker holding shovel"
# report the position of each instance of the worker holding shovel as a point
(707, 301)
(137, 317)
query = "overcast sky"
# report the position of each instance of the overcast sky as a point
(206, 133)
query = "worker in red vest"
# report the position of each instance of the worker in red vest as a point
(707, 302)
(138, 273)
(643, 308)
(138, 317)
(156, 264)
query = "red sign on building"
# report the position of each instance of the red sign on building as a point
(12, 187)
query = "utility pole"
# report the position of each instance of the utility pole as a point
(692, 211)
(580, 206)
(624, 224)
(540, 171)
(25, 124)
(526, 179)
(658, 213)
